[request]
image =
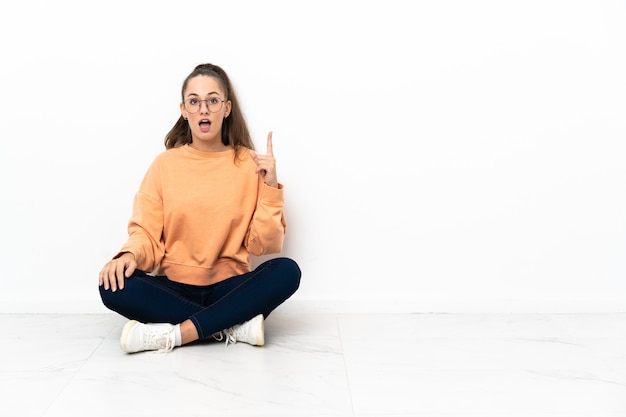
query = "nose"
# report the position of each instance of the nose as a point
(204, 106)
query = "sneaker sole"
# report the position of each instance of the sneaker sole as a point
(127, 328)
(260, 338)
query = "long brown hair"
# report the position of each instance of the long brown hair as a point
(234, 129)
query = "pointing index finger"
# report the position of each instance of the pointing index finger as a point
(270, 150)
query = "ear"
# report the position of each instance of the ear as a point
(183, 112)
(229, 107)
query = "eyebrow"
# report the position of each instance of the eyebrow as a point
(198, 95)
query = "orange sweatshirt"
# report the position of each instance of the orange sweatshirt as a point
(197, 216)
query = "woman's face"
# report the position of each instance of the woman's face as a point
(205, 107)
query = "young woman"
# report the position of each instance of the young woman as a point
(205, 204)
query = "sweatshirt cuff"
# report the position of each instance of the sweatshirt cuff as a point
(272, 195)
(127, 250)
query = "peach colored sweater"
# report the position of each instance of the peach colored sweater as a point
(197, 216)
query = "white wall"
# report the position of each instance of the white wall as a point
(441, 156)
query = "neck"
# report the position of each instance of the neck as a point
(209, 147)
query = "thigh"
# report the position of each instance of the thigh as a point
(150, 299)
(276, 275)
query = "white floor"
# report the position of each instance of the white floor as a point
(448, 365)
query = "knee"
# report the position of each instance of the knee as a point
(291, 273)
(114, 300)
(107, 297)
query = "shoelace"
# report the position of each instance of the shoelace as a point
(155, 337)
(169, 345)
(227, 334)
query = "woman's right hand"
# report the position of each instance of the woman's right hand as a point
(116, 271)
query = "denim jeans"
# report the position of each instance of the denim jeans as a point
(211, 308)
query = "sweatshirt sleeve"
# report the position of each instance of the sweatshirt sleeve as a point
(145, 227)
(268, 226)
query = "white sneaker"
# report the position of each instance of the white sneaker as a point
(251, 332)
(137, 337)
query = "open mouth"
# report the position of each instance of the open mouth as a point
(205, 125)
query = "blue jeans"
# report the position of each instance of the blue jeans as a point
(211, 308)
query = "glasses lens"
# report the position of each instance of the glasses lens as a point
(192, 105)
(214, 104)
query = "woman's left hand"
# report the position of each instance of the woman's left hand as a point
(266, 164)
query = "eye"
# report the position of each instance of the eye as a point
(193, 101)
(213, 100)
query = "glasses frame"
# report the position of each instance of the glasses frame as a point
(206, 103)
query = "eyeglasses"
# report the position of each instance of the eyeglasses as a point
(193, 105)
